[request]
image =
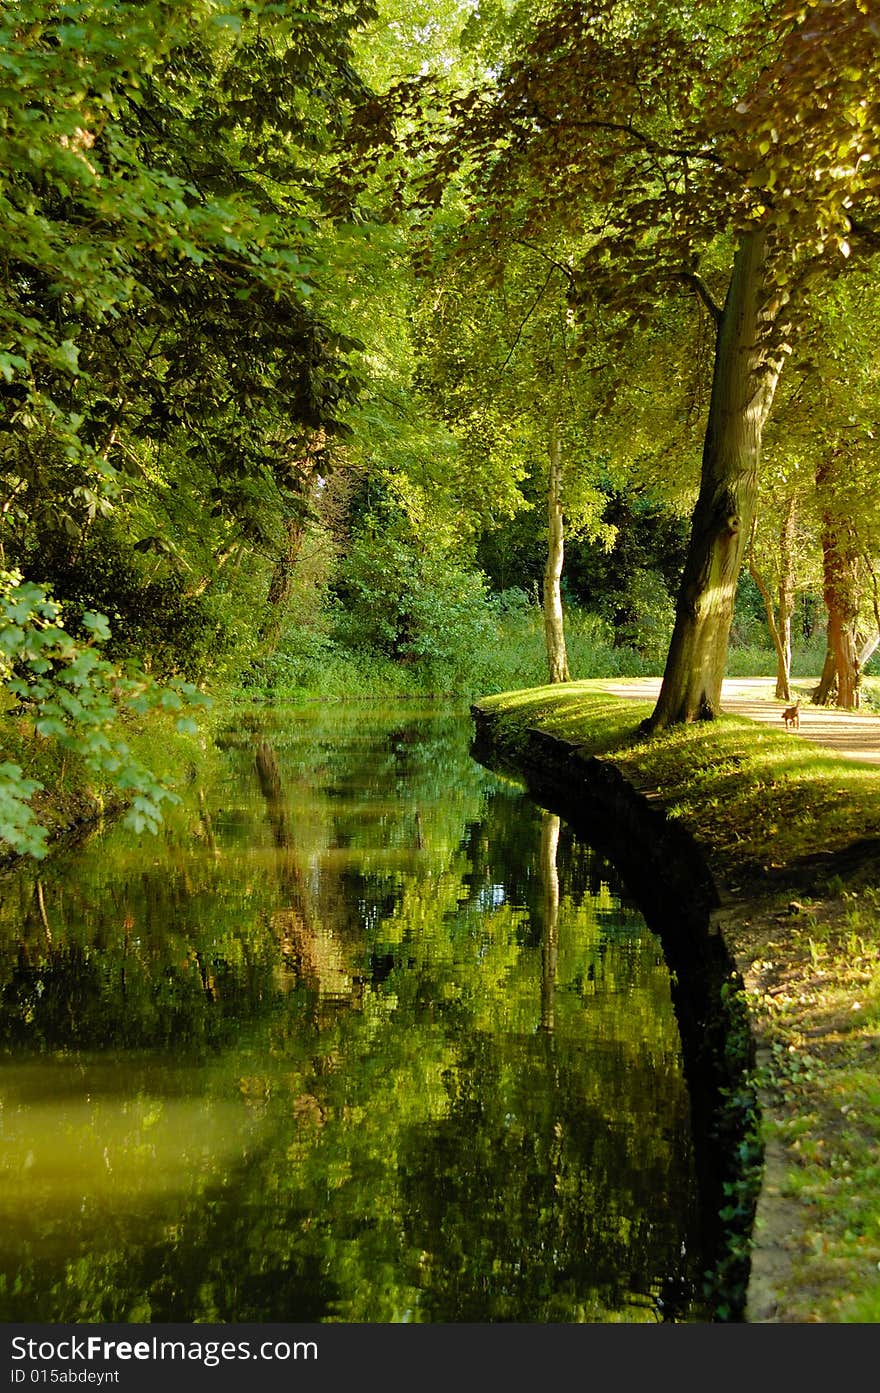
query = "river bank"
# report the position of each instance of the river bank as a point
(790, 837)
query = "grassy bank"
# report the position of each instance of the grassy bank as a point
(787, 831)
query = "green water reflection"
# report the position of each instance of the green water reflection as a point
(365, 1036)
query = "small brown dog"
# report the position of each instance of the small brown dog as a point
(792, 716)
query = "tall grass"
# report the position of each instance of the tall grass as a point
(520, 660)
(756, 660)
(315, 662)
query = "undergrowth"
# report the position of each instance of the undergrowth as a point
(318, 661)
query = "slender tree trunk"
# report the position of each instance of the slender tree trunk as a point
(783, 654)
(554, 625)
(284, 570)
(779, 616)
(743, 385)
(785, 608)
(550, 824)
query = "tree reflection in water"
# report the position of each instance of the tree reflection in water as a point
(366, 1037)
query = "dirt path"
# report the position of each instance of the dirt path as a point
(850, 734)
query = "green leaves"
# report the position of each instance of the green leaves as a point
(134, 184)
(410, 598)
(19, 825)
(72, 695)
(97, 625)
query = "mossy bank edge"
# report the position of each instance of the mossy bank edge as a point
(756, 858)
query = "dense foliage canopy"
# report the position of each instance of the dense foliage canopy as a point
(329, 333)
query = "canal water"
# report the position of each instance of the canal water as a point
(363, 1035)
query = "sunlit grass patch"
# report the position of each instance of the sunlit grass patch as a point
(750, 792)
(580, 712)
(823, 1092)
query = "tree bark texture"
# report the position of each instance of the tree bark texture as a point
(554, 624)
(744, 381)
(827, 680)
(840, 560)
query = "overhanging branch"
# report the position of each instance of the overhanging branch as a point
(559, 265)
(641, 138)
(699, 285)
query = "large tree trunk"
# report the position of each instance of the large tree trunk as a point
(840, 559)
(842, 645)
(554, 627)
(827, 681)
(743, 384)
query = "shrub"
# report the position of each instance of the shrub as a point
(151, 617)
(65, 693)
(416, 605)
(644, 615)
(312, 662)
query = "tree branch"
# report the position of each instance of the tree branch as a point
(531, 310)
(640, 137)
(699, 285)
(560, 266)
